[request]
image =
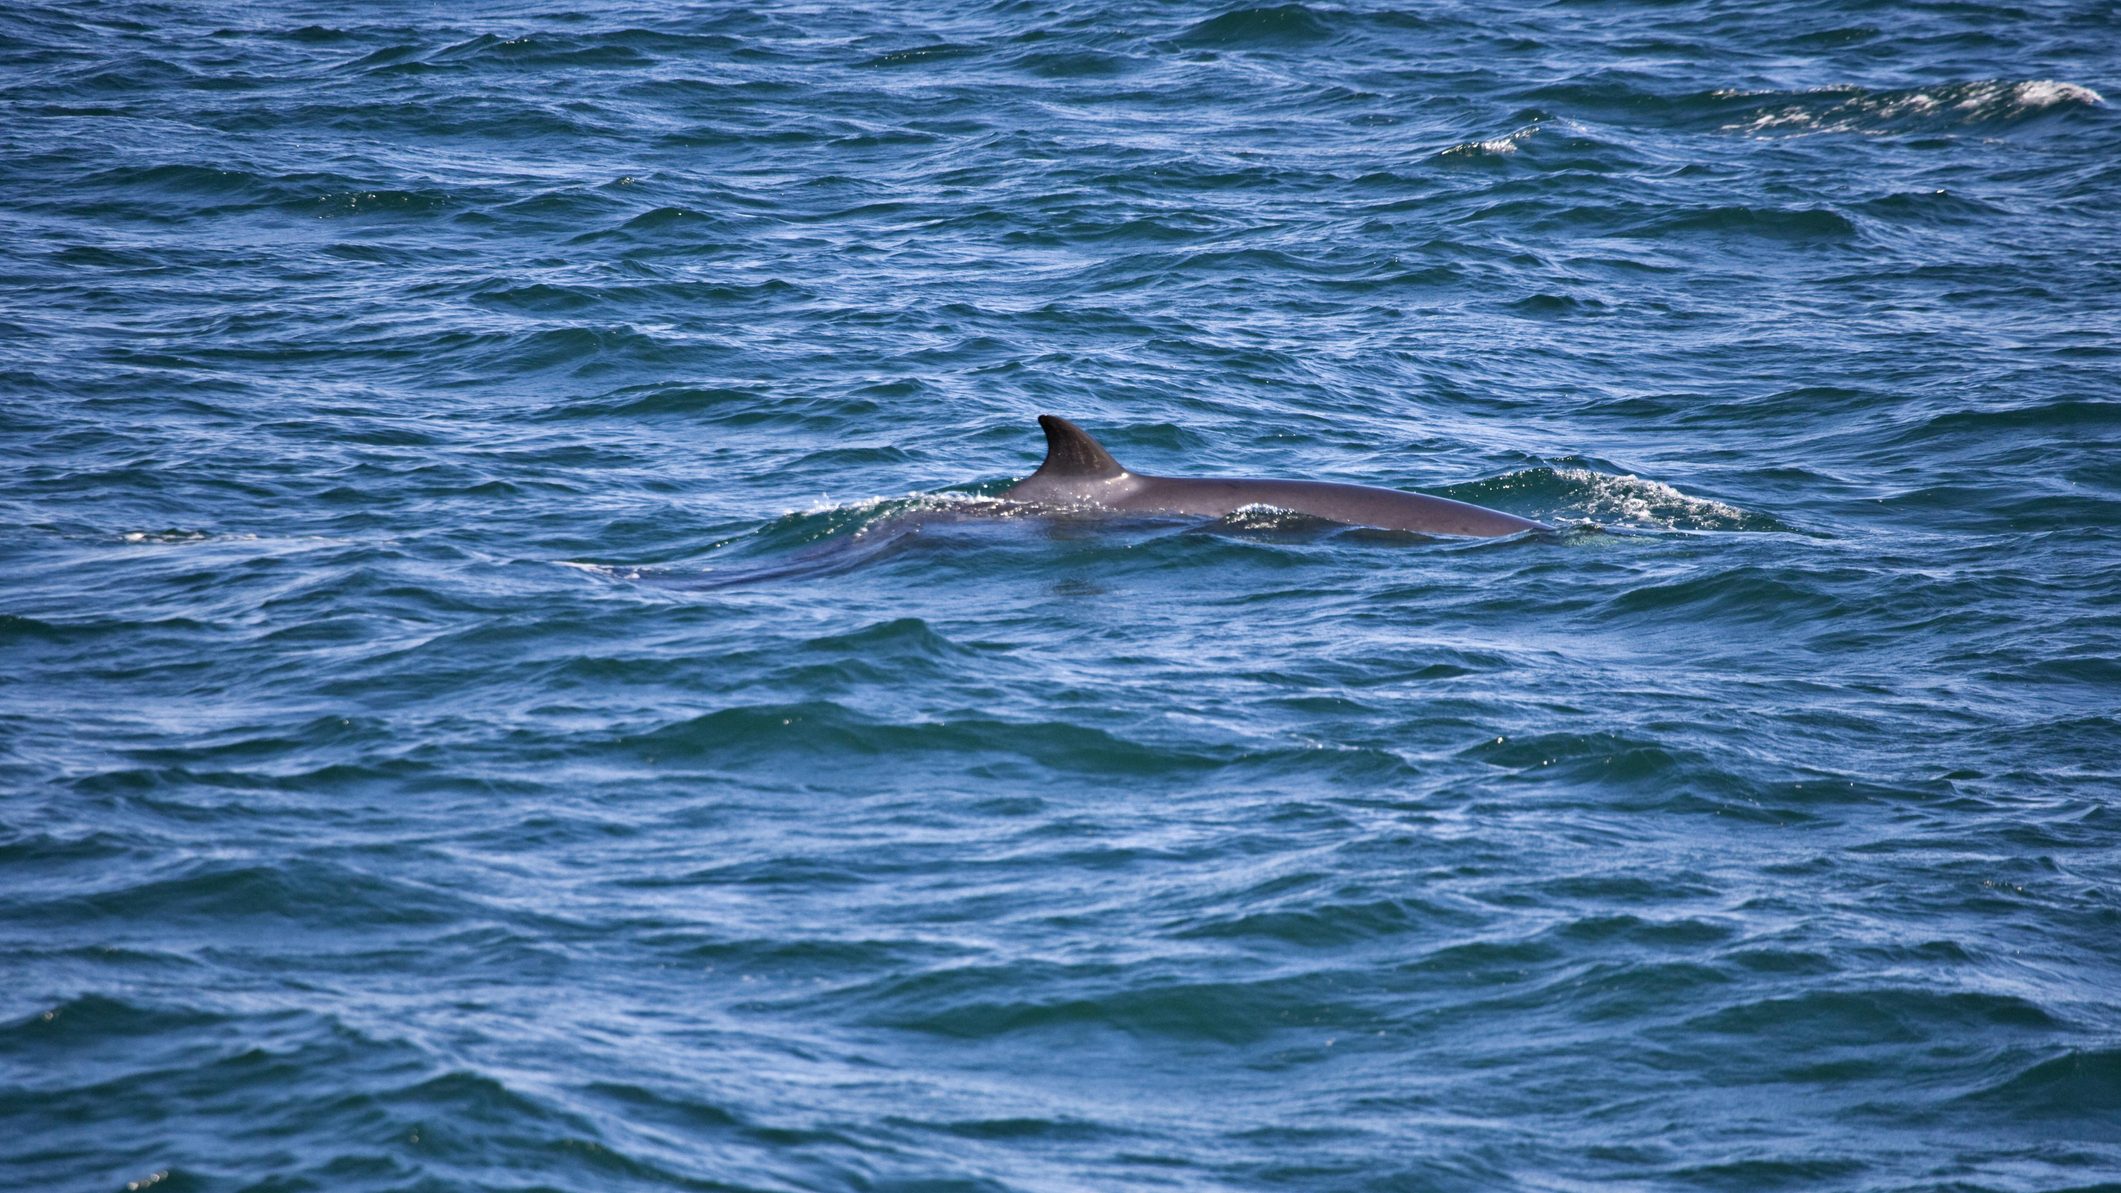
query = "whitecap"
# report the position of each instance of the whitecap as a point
(1633, 500)
(1853, 110)
(1493, 147)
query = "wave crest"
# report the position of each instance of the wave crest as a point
(1856, 110)
(1571, 493)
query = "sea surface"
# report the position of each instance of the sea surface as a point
(513, 675)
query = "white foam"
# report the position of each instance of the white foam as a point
(179, 538)
(605, 570)
(1630, 498)
(1494, 146)
(1850, 110)
(2046, 93)
(912, 501)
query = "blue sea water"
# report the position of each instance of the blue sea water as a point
(508, 679)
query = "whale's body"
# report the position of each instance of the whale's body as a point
(1079, 472)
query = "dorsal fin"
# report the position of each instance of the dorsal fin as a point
(1070, 452)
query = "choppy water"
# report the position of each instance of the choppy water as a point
(500, 686)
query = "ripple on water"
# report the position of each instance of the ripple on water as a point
(516, 673)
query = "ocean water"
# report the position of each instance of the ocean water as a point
(510, 679)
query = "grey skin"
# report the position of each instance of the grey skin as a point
(1080, 472)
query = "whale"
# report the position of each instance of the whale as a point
(1079, 474)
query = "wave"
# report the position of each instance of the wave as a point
(1578, 494)
(1913, 109)
(2072, 1085)
(821, 541)
(987, 1002)
(1502, 146)
(922, 55)
(828, 730)
(1878, 1013)
(1283, 25)
(1798, 224)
